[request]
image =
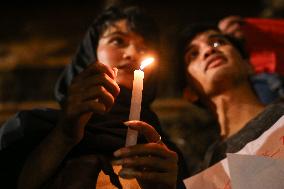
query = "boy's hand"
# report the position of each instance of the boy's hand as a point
(152, 164)
(93, 91)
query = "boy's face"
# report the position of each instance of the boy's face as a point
(121, 48)
(212, 62)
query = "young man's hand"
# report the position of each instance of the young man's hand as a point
(231, 25)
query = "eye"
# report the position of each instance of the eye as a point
(216, 42)
(191, 55)
(118, 41)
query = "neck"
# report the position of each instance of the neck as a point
(235, 108)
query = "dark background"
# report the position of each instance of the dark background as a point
(38, 39)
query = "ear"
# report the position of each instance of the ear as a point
(190, 95)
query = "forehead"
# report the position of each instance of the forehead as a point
(121, 27)
(204, 36)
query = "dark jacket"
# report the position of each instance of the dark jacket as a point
(104, 133)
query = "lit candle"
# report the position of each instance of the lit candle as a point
(136, 99)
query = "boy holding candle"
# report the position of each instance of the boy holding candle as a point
(68, 148)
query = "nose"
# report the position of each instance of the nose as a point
(131, 53)
(208, 51)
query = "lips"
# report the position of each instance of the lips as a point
(128, 66)
(213, 61)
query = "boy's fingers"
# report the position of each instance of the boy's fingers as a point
(145, 129)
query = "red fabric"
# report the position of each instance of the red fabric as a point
(265, 43)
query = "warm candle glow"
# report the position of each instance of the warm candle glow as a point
(146, 62)
(136, 99)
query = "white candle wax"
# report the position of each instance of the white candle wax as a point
(135, 107)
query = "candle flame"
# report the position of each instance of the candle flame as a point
(146, 62)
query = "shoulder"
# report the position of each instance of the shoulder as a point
(256, 126)
(277, 104)
(272, 112)
(27, 123)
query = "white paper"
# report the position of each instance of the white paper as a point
(254, 172)
(270, 144)
(213, 178)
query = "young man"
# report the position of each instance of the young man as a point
(218, 75)
(217, 72)
(67, 148)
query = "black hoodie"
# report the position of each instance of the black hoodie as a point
(104, 133)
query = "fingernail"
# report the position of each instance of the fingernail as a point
(115, 70)
(117, 153)
(121, 151)
(126, 123)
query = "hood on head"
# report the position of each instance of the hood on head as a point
(86, 54)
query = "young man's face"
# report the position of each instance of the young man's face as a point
(212, 62)
(118, 47)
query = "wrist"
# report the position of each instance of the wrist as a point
(65, 137)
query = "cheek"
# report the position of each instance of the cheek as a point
(197, 75)
(232, 55)
(108, 56)
(194, 71)
(235, 61)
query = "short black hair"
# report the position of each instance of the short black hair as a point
(137, 21)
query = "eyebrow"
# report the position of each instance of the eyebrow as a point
(216, 35)
(115, 33)
(188, 48)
